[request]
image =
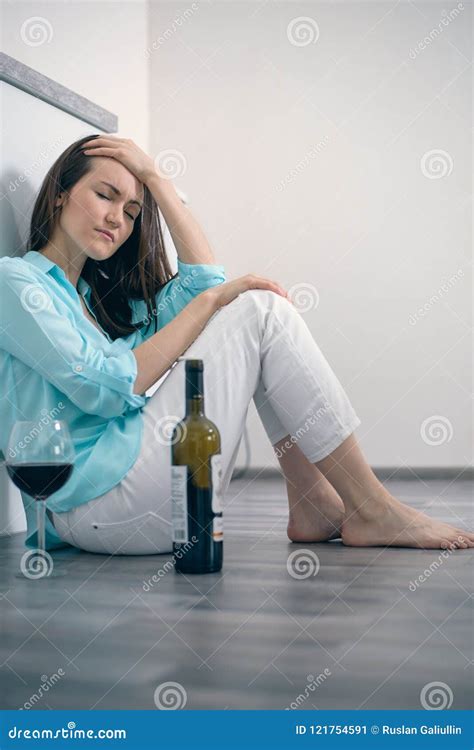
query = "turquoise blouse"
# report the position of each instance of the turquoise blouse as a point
(55, 364)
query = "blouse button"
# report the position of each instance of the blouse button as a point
(78, 368)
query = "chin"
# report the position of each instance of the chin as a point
(101, 252)
(97, 256)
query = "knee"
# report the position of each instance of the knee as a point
(262, 297)
(255, 303)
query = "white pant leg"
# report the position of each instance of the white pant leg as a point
(256, 346)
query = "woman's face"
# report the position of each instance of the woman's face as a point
(109, 197)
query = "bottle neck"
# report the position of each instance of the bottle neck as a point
(195, 406)
(194, 393)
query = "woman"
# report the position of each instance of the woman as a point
(92, 318)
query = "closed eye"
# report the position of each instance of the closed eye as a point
(101, 195)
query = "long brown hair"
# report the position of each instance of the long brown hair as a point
(137, 270)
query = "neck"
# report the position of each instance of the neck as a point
(71, 263)
(195, 406)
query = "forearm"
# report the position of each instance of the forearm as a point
(157, 354)
(188, 237)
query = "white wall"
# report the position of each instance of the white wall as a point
(97, 49)
(357, 219)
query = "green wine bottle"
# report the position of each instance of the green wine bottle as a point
(196, 481)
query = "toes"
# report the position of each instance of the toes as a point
(468, 535)
(464, 540)
(452, 544)
(460, 538)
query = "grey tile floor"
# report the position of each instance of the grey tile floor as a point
(358, 634)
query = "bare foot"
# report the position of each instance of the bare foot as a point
(315, 514)
(387, 522)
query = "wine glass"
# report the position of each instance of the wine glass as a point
(39, 461)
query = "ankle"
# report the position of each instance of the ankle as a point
(368, 501)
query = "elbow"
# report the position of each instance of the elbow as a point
(109, 407)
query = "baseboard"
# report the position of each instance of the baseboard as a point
(384, 473)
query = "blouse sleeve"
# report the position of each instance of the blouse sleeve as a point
(192, 279)
(33, 330)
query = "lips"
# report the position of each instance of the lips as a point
(106, 233)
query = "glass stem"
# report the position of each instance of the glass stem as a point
(40, 514)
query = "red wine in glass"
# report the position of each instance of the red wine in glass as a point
(39, 461)
(39, 480)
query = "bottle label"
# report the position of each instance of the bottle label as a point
(179, 503)
(216, 480)
(218, 529)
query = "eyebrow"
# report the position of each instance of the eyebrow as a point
(117, 192)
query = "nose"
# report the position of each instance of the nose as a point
(113, 218)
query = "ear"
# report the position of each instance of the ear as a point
(60, 200)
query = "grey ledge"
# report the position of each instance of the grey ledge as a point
(18, 74)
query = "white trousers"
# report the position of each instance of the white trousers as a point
(258, 346)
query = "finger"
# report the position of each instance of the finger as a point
(271, 284)
(99, 151)
(281, 289)
(102, 141)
